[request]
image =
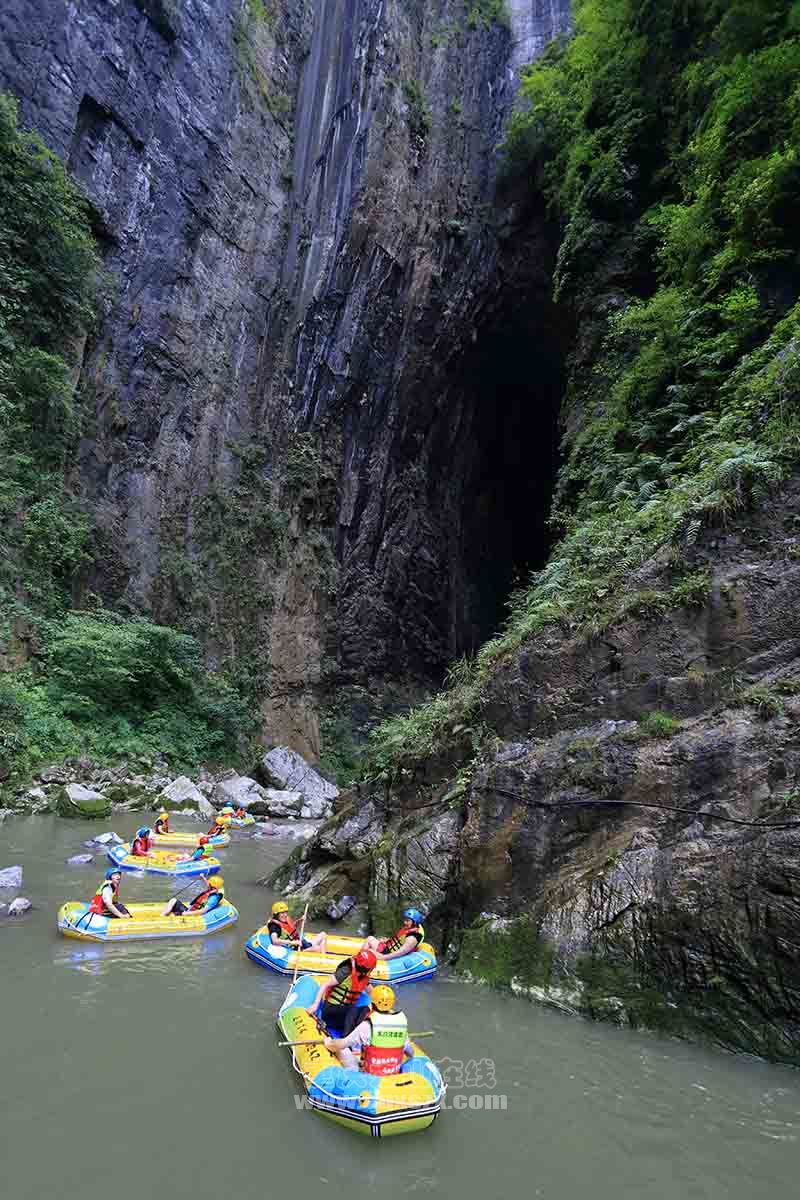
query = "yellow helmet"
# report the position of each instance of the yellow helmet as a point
(279, 906)
(383, 998)
(216, 881)
(163, 815)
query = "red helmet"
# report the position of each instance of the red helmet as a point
(204, 841)
(365, 960)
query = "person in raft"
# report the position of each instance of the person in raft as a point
(141, 843)
(162, 823)
(216, 829)
(203, 850)
(405, 941)
(283, 931)
(204, 902)
(338, 994)
(379, 1045)
(106, 902)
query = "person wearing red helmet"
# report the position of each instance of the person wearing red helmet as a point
(339, 994)
(203, 850)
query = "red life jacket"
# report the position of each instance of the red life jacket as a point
(240, 812)
(290, 930)
(140, 847)
(215, 830)
(96, 904)
(348, 991)
(162, 826)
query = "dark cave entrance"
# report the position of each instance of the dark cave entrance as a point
(515, 378)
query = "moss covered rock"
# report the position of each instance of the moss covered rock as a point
(74, 800)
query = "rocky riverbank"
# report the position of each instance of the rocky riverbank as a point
(287, 787)
(627, 845)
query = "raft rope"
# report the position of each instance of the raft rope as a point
(693, 812)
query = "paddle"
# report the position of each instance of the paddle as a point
(300, 947)
(320, 1041)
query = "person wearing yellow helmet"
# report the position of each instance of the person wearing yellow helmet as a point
(283, 931)
(206, 901)
(162, 822)
(380, 1044)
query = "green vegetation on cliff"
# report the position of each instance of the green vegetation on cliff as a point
(72, 682)
(664, 136)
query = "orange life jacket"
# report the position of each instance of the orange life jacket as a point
(289, 928)
(348, 991)
(240, 812)
(397, 939)
(215, 830)
(200, 900)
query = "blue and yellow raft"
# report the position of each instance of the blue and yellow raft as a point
(378, 1105)
(184, 837)
(75, 921)
(161, 862)
(259, 949)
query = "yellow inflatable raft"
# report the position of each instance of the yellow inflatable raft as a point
(183, 837)
(377, 1105)
(75, 921)
(260, 949)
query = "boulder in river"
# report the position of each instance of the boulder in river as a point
(340, 908)
(11, 877)
(182, 793)
(240, 792)
(80, 860)
(75, 800)
(19, 906)
(286, 769)
(282, 804)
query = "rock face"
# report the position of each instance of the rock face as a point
(298, 213)
(288, 770)
(649, 873)
(74, 800)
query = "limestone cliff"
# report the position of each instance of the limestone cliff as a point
(295, 204)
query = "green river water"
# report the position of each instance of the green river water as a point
(152, 1069)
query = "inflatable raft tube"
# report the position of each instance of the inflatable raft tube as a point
(379, 1106)
(239, 822)
(162, 862)
(259, 949)
(75, 921)
(166, 841)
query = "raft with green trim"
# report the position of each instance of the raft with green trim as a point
(240, 822)
(259, 948)
(184, 837)
(75, 921)
(162, 862)
(376, 1105)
